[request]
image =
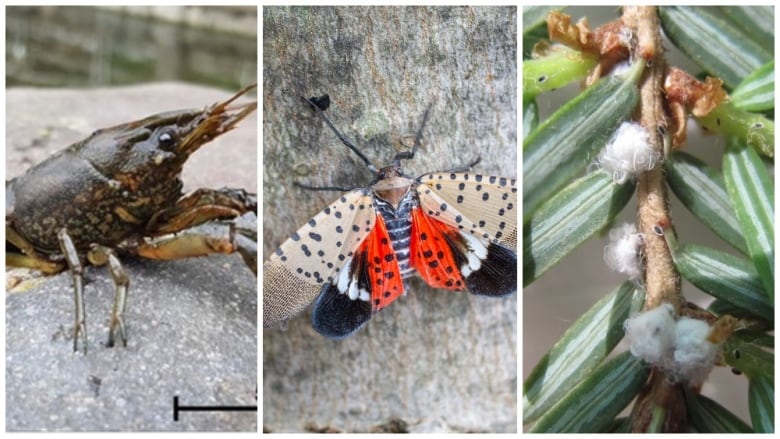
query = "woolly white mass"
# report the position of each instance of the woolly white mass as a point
(628, 152)
(694, 355)
(679, 347)
(651, 334)
(624, 251)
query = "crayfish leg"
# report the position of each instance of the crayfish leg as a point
(33, 262)
(30, 258)
(77, 271)
(100, 255)
(205, 240)
(245, 242)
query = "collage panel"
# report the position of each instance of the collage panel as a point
(420, 189)
(648, 219)
(131, 148)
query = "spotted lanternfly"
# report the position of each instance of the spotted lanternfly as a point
(457, 230)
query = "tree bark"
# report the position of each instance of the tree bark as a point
(434, 360)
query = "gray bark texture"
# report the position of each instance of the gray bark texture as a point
(433, 361)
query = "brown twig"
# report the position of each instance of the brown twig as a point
(661, 279)
(662, 282)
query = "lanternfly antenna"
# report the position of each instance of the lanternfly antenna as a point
(323, 102)
(343, 139)
(407, 155)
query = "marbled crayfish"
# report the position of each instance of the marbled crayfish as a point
(119, 192)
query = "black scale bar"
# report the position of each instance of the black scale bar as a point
(208, 408)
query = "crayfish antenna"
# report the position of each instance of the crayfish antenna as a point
(243, 91)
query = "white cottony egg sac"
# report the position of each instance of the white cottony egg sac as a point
(624, 251)
(651, 334)
(680, 347)
(628, 153)
(694, 355)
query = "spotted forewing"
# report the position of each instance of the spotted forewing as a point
(295, 273)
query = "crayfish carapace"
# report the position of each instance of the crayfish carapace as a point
(119, 192)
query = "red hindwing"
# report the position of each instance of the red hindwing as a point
(431, 252)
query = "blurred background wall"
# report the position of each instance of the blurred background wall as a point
(58, 46)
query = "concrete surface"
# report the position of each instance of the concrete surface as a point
(191, 324)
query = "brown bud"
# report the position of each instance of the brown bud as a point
(686, 94)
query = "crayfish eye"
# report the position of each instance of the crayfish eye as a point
(165, 139)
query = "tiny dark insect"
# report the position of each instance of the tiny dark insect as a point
(119, 191)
